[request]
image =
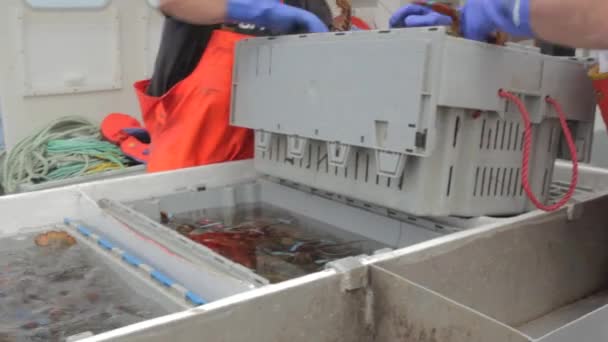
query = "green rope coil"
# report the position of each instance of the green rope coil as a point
(68, 147)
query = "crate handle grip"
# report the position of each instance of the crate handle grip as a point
(528, 146)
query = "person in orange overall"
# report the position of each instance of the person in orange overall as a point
(185, 105)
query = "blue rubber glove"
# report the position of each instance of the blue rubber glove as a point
(479, 18)
(139, 134)
(418, 16)
(274, 16)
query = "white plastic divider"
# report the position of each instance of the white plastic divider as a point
(205, 280)
(187, 249)
(138, 266)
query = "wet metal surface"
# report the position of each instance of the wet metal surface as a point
(57, 290)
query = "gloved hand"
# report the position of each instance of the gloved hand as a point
(140, 134)
(414, 15)
(273, 15)
(479, 18)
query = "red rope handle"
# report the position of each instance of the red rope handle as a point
(528, 147)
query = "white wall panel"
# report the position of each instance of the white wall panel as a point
(72, 57)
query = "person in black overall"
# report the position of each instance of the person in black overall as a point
(185, 105)
(183, 44)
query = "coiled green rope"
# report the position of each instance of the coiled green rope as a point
(68, 147)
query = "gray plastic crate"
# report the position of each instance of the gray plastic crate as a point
(408, 119)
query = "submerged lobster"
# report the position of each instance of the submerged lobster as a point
(55, 239)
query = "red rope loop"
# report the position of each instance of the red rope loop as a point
(528, 148)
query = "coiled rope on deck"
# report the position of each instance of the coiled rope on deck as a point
(66, 148)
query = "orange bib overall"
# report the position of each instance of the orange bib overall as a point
(189, 125)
